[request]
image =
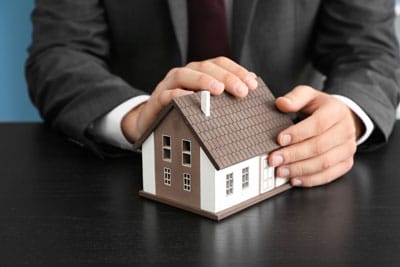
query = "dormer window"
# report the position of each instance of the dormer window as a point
(166, 148)
(186, 153)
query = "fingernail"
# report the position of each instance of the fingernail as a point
(287, 99)
(252, 75)
(285, 140)
(296, 182)
(277, 160)
(240, 88)
(252, 83)
(217, 86)
(284, 172)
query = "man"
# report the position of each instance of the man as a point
(92, 64)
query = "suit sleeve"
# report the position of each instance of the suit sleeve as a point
(356, 48)
(67, 73)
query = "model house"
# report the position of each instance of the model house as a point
(208, 155)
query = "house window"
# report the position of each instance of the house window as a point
(229, 184)
(186, 153)
(187, 182)
(166, 147)
(167, 176)
(245, 177)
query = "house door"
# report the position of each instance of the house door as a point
(267, 173)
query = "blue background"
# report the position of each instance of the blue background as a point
(15, 36)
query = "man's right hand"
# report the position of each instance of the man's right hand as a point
(214, 75)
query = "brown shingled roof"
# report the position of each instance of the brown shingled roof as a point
(237, 129)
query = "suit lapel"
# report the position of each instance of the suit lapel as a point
(243, 13)
(178, 10)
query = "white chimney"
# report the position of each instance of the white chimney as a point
(205, 102)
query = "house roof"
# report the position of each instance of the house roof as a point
(236, 130)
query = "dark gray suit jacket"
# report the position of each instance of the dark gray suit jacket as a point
(89, 56)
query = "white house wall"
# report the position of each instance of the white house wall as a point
(280, 181)
(222, 200)
(148, 165)
(207, 183)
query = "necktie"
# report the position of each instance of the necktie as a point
(208, 31)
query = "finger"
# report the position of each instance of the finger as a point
(328, 113)
(190, 79)
(156, 103)
(334, 136)
(325, 176)
(297, 99)
(246, 76)
(233, 83)
(319, 163)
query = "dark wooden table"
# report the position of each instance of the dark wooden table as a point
(60, 205)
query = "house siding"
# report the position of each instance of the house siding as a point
(280, 181)
(213, 183)
(224, 201)
(148, 165)
(172, 126)
(207, 180)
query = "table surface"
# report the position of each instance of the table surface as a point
(61, 205)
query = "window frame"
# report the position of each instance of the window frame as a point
(186, 153)
(166, 148)
(167, 176)
(229, 184)
(245, 178)
(187, 182)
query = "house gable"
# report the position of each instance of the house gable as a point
(177, 170)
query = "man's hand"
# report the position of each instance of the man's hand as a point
(320, 148)
(215, 75)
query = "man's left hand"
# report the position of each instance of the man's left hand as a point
(321, 147)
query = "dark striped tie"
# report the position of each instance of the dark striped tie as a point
(208, 31)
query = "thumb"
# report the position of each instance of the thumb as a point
(297, 100)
